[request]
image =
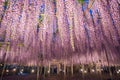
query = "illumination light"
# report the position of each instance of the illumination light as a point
(118, 72)
(0, 64)
(7, 70)
(14, 69)
(48, 71)
(85, 71)
(81, 70)
(93, 70)
(22, 70)
(32, 71)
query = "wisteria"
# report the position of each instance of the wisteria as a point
(85, 32)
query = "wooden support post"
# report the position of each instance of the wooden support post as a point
(100, 72)
(83, 72)
(44, 70)
(3, 71)
(72, 66)
(49, 68)
(72, 69)
(58, 70)
(38, 70)
(64, 68)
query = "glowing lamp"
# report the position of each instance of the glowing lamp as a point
(7, 70)
(48, 71)
(0, 64)
(81, 70)
(118, 72)
(85, 71)
(93, 70)
(14, 69)
(32, 71)
(22, 70)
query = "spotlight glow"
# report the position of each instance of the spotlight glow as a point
(118, 72)
(21, 71)
(7, 70)
(14, 69)
(1, 65)
(48, 71)
(32, 71)
(85, 71)
(81, 70)
(93, 70)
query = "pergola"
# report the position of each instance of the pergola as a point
(60, 33)
(40, 31)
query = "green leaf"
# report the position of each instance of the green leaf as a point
(81, 1)
(41, 18)
(6, 3)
